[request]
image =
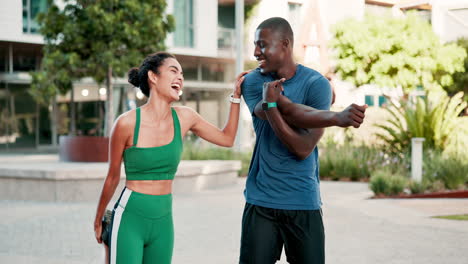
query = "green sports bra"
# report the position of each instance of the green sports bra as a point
(153, 163)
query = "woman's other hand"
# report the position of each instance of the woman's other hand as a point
(98, 231)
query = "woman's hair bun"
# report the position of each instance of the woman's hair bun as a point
(133, 77)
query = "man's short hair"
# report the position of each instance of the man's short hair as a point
(280, 25)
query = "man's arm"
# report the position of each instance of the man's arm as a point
(258, 111)
(304, 116)
(300, 142)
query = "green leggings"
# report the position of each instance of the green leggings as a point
(142, 229)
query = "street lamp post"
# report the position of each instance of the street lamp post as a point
(416, 159)
(240, 61)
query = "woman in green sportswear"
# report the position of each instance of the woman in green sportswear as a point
(149, 141)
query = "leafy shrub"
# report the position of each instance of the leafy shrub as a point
(384, 182)
(348, 161)
(358, 162)
(437, 186)
(418, 187)
(450, 170)
(397, 184)
(379, 183)
(434, 117)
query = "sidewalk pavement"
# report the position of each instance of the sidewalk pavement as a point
(207, 229)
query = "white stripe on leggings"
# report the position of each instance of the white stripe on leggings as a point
(116, 224)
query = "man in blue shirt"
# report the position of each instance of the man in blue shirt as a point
(289, 104)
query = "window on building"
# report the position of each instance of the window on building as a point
(226, 38)
(227, 16)
(213, 72)
(382, 101)
(369, 100)
(190, 69)
(184, 32)
(26, 57)
(3, 57)
(294, 14)
(31, 8)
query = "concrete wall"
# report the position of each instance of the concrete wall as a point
(46, 179)
(450, 19)
(11, 23)
(334, 11)
(205, 26)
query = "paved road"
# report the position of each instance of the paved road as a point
(358, 229)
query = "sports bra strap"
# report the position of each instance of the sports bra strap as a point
(175, 118)
(137, 127)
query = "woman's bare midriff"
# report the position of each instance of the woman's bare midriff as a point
(159, 187)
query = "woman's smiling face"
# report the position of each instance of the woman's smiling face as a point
(169, 81)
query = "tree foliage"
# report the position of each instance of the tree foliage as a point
(460, 79)
(395, 52)
(98, 39)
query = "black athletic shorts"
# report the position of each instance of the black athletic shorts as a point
(266, 230)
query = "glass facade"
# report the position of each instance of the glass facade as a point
(19, 57)
(190, 70)
(19, 118)
(382, 101)
(25, 58)
(3, 57)
(31, 8)
(370, 100)
(213, 72)
(184, 32)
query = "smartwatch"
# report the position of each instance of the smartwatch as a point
(268, 105)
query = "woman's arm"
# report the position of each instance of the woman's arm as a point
(204, 129)
(116, 148)
(222, 137)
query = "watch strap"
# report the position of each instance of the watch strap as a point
(234, 100)
(268, 105)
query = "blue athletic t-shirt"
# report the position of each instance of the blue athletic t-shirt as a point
(277, 179)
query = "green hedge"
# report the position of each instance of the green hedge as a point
(451, 170)
(383, 181)
(354, 162)
(441, 171)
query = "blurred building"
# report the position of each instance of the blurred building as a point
(203, 43)
(312, 21)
